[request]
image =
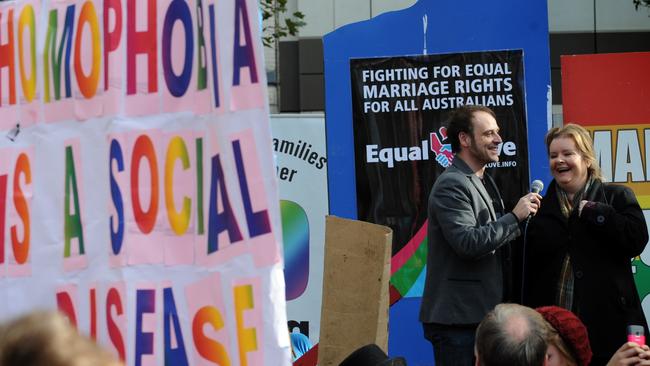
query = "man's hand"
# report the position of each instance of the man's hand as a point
(527, 206)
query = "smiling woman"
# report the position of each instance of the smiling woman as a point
(571, 158)
(568, 167)
(581, 241)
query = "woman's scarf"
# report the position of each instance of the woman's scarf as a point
(564, 295)
(567, 205)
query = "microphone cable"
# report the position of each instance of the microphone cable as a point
(536, 187)
(523, 262)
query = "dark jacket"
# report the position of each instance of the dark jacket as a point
(464, 279)
(601, 243)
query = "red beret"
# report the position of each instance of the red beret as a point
(572, 331)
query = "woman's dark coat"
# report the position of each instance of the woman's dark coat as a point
(601, 243)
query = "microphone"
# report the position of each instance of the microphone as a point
(537, 186)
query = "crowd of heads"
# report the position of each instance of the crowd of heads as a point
(512, 335)
(516, 335)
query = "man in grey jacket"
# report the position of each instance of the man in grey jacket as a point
(467, 229)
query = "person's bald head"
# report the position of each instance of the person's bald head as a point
(513, 335)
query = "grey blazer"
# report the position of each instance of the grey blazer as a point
(464, 277)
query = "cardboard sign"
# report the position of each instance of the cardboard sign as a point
(355, 288)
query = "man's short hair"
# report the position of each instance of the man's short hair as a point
(461, 121)
(512, 335)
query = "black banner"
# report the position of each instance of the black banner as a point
(400, 106)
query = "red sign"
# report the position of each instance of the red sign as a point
(606, 89)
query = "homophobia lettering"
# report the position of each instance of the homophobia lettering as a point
(85, 43)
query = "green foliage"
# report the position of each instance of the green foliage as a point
(272, 9)
(638, 3)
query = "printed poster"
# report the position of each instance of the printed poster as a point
(400, 105)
